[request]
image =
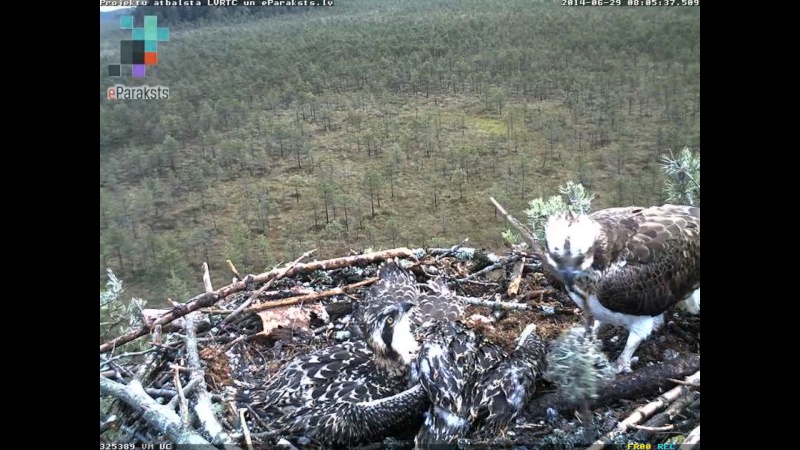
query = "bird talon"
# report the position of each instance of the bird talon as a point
(622, 367)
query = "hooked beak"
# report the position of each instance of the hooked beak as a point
(568, 273)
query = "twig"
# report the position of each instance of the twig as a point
(664, 418)
(536, 249)
(233, 270)
(311, 297)
(538, 293)
(134, 433)
(556, 310)
(526, 234)
(162, 392)
(158, 416)
(451, 250)
(494, 266)
(516, 278)
(479, 283)
(278, 276)
(203, 408)
(496, 304)
(119, 369)
(207, 279)
(684, 383)
(208, 299)
(644, 412)
(186, 391)
(183, 404)
(149, 362)
(248, 441)
(230, 344)
(653, 429)
(128, 355)
(692, 439)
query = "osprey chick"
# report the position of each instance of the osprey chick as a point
(452, 358)
(631, 264)
(354, 392)
(397, 284)
(471, 383)
(505, 390)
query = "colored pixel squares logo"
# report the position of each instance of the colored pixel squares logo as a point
(142, 49)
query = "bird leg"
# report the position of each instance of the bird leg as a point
(596, 327)
(639, 331)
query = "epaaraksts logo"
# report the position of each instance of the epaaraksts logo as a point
(120, 92)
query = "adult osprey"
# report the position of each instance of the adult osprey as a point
(631, 264)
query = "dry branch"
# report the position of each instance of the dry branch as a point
(311, 297)
(233, 270)
(208, 299)
(248, 441)
(127, 355)
(182, 402)
(653, 429)
(643, 382)
(684, 383)
(556, 310)
(280, 274)
(516, 278)
(496, 304)
(526, 234)
(207, 279)
(203, 408)
(644, 412)
(538, 293)
(447, 252)
(662, 419)
(184, 392)
(495, 266)
(158, 416)
(692, 439)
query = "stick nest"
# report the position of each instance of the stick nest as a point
(241, 354)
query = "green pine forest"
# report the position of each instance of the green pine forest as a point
(381, 123)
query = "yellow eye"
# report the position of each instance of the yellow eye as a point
(390, 321)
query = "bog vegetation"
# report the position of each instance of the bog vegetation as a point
(379, 124)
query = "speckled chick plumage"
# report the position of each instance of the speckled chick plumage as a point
(451, 360)
(355, 392)
(394, 285)
(504, 391)
(472, 384)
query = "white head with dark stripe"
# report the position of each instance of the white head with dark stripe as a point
(389, 331)
(570, 244)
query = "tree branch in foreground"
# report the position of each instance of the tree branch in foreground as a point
(692, 439)
(311, 297)
(282, 273)
(158, 416)
(645, 411)
(644, 382)
(208, 299)
(203, 408)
